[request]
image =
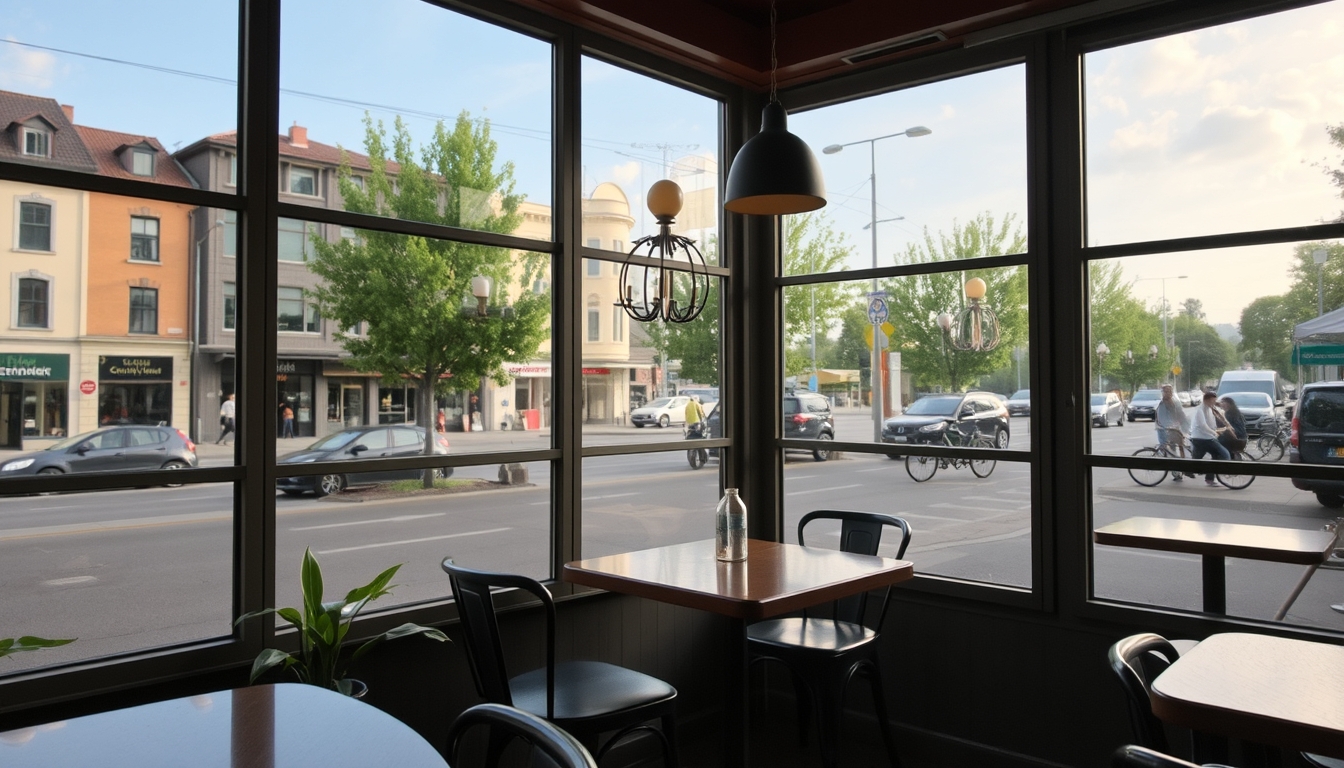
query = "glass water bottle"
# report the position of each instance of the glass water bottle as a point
(731, 527)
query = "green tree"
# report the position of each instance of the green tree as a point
(1267, 323)
(1204, 354)
(916, 301)
(1193, 307)
(410, 291)
(1267, 334)
(1336, 174)
(1124, 325)
(695, 344)
(812, 246)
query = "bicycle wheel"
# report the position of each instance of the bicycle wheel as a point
(1148, 477)
(1235, 482)
(983, 467)
(1269, 448)
(697, 457)
(921, 468)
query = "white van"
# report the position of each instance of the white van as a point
(1267, 382)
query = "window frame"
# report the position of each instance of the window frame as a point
(296, 172)
(139, 314)
(229, 306)
(145, 238)
(42, 136)
(137, 155)
(35, 201)
(16, 291)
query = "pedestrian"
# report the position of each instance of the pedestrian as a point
(1204, 434)
(441, 422)
(1234, 440)
(694, 415)
(287, 418)
(227, 412)
(1172, 425)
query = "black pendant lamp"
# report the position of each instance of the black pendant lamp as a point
(775, 172)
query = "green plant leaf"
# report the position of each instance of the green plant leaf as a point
(292, 616)
(253, 615)
(405, 630)
(374, 589)
(269, 659)
(9, 645)
(310, 576)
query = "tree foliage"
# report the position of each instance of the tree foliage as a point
(1204, 355)
(1336, 174)
(1124, 325)
(410, 292)
(812, 246)
(916, 301)
(1267, 323)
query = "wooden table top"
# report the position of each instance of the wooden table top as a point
(1270, 690)
(263, 726)
(1253, 542)
(774, 579)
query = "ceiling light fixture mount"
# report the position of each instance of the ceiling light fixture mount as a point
(775, 172)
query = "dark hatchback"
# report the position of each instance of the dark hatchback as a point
(807, 416)
(1144, 405)
(925, 421)
(120, 448)
(1318, 438)
(378, 441)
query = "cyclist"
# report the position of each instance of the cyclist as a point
(1172, 425)
(1204, 434)
(694, 415)
(1234, 440)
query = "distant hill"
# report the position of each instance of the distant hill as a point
(1228, 332)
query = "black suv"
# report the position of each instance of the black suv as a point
(807, 416)
(1318, 438)
(926, 419)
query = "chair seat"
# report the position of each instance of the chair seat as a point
(816, 634)
(588, 689)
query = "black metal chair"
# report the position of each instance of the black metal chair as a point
(824, 654)
(1137, 660)
(586, 698)
(1132, 756)
(556, 747)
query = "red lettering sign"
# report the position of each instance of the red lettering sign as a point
(88, 387)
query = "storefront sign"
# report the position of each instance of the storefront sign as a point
(35, 367)
(596, 371)
(113, 368)
(88, 386)
(286, 366)
(529, 370)
(1319, 354)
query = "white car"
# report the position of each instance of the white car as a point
(663, 411)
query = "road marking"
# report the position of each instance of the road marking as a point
(52, 509)
(939, 518)
(610, 496)
(878, 469)
(973, 508)
(994, 499)
(69, 580)
(801, 477)
(398, 519)
(115, 525)
(823, 490)
(412, 541)
(967, 542)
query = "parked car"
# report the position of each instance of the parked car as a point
(925, 421)
(663, 411)
(1183, 397)
(1019, 404)
(807, 416)
(373, 441)
(119, 448)
(1317, 437)
(1107, 407)
(1257, 408)
(1144, 404)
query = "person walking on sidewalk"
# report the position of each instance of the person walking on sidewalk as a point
(287, 418)
(1204, 434)
(227, 412)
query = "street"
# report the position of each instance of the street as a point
(126, 570)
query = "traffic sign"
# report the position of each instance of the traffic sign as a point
(877, 308)
(887, 330)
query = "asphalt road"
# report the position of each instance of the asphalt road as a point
(126, 570)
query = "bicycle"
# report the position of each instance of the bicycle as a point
(923, 468)
(1272, 442)
(1150, 478)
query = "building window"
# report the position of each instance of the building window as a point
(296, 314)
(142, 163)
(358, 181)
(231, 233)
(144, 239)
(593, 318)
(230, 306)
(144, 310)
(594, 268)
(34, 302)
(36, 143)
(303, 181)
(294, 242)
(35, 226)
(618, 324)
(233, 171)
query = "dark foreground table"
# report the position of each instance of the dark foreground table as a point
(264, 726)
(773, 580)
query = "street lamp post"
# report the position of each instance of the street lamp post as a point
(875, 362)
(1166, 342)
(1319, 255)
(1102, 352)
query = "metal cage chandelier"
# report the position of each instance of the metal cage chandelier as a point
(975, 328)
(664, 293)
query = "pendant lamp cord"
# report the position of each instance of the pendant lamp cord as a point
(774, 58)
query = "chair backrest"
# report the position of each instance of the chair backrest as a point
(476, 610)
(860, 534)
(1136, 661)
(1131, 756)
(556, 745)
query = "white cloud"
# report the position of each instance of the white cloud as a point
(27, 70)
(624, 174)
(1115, 104)
(1152, 134)
(948, 112)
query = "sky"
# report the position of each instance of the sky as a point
(1200, 133)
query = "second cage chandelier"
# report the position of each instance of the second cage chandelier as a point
(653, 290)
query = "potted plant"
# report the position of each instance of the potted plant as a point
(10, 645)
(322, 628)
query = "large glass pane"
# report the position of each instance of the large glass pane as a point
(937, 156)
(472, 516)
(964, 526)
(639, 378)
(1218, 130)
(83, 99)
(440, 118)
(637, 130)
(82, 565)
(370, 317)
(937, 385)
(1255, 588)
(647, 500)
